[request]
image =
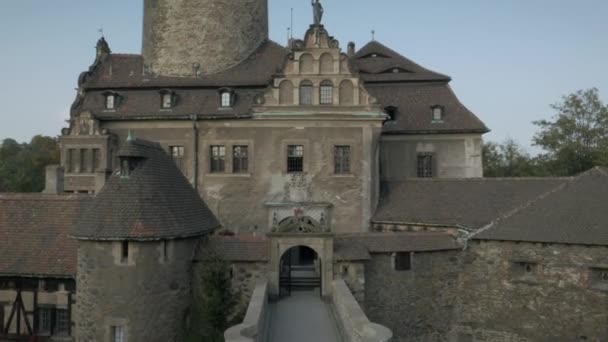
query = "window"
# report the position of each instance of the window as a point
(177, 154)
(295, 158)
(226, 99)
(403, 261)
(218, 159)
(62, 322)
(118, 333)
(71, 162)
(44, 320)
(96, 159)
(523, 270)
(326, 93)
(599, 279)
(240, 159)
(425, 166)
(165, 249)
(124, 251)
(166, 101)
(111, 101)
(306, 93)
(437, 113)
(342, 159)
(84, 160)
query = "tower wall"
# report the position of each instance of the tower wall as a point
(215, 34)
(147, 295)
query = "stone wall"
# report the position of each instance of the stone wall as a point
(417, 305)
(215, 34)
(148, 297)
(238, 199)
(353, 274)
(454, 155)
(558, 298)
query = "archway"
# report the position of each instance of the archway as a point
(299, 269)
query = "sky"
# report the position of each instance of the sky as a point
(509, 60)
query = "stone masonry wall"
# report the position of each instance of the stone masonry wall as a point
(560, 298)
(353, 274)
(215, 34)
(417, 305)
(148, 297)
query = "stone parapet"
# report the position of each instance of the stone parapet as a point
(357, 327)
(253, 327)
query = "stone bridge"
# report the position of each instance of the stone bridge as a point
(305, 316)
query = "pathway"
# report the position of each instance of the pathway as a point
(302, 317)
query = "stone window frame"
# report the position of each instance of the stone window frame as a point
(117, 252)
(177, 153)
(326, 93)
(307, 155)
(116, 322)
(421, 170)
(598, 278)
(524, 271)
(228, 166)
(310, 86)
(354, 158)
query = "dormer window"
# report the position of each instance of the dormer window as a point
(111, 100)
(227, 98)
(437, 112)
(167, 99)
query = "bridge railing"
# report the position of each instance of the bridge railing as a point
(355, 323)
(253, 327)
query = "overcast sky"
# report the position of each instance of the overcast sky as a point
(509, 60)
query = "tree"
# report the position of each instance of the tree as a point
(213, 301)
(576, 138)
(23, 166)
(509, 159)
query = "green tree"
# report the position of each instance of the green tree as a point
(22, 166)
(213, 302)
(576, 138)
(509, 159)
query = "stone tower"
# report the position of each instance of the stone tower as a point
(136, 240)
(195, 37)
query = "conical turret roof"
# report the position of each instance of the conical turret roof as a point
(153, 202)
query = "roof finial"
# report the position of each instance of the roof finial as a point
(100, 30)
(373, 35)
(130, 137)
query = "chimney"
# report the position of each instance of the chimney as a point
(54, 180)
(351, 49)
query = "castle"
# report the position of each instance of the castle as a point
(360, 166)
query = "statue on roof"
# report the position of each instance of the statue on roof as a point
(317, 10)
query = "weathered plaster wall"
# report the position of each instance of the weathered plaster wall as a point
(417, 305)
(456, 155)
(147, 296)
(557, 301)
(213, 33)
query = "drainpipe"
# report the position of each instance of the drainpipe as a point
(195, 131)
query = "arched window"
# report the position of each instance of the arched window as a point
(326, 93)
(347, 93)
(286, 93)
(226, 99)
(306, 93)
(326, 64)
(306, 64)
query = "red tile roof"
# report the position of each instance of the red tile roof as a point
(34, 234)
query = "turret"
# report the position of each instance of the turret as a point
(188, 38)
(135, 245)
